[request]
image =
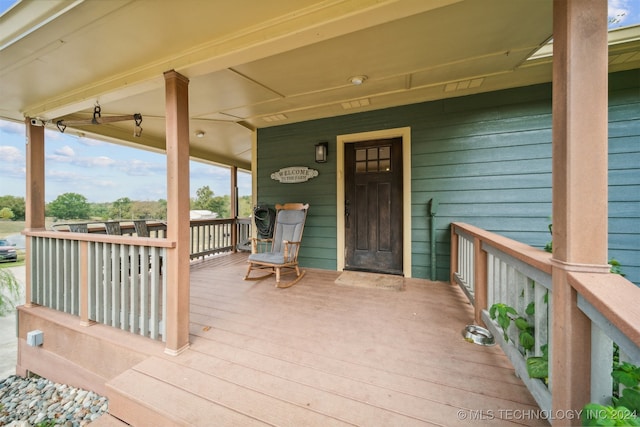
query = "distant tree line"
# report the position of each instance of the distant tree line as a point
(75, 206)
(12, 208)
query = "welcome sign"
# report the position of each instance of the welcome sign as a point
(294, 174)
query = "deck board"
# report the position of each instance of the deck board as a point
(324, 354)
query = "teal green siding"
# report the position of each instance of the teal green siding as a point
(294, 146)
(487, 160)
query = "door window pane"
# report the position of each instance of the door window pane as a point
(374, 159)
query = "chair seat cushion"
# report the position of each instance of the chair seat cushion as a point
(268, 257)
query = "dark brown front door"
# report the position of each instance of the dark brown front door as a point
(373, 206)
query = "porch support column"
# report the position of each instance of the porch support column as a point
(579, 187)
(34, 209)
(177, 269)
(234, 208)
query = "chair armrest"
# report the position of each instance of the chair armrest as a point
(290, 250)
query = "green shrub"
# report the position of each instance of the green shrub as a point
(9, 291)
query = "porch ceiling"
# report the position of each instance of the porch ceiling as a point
(256, 64)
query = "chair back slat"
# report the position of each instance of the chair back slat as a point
(141, 228)
(78, 228)
(113, 227)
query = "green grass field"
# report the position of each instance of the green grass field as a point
(10, 227)
(15, 227)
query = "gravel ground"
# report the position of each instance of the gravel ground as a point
(42, 403)
(38, 402)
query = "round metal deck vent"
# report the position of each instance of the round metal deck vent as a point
(478, 335)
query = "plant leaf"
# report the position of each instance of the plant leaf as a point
(492, 312)
(522, 324)
(624, 378)
(630, 399)
(537, 367)
(504, 322)
(527, 341)
(591, 413)
(545, 351)
(531, 309)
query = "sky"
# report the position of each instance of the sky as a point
(105, 172)
(623, 13)
(101, 171)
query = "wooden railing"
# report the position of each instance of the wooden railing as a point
(493, 269)
(207, 236)
(212, 236)
(117, 280)
(114, 280)
(157, 228)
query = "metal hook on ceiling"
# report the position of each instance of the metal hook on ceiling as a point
(137, 130)
(98, 120)
(97, 110)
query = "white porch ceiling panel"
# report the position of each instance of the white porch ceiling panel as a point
(249, 61)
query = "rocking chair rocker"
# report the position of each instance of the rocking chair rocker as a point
(280, 252)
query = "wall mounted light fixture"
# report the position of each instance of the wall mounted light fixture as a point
(322, 148)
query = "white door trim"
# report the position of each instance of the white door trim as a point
(405, 134)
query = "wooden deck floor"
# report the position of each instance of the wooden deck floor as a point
(320, 354)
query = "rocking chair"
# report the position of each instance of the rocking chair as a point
(280, 252)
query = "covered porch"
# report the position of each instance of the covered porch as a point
(204, 343)
(318, 353)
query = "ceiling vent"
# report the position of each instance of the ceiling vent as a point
(463, 84)
(275, 118)
(356, 104)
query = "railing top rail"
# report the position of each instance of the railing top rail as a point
(102, 238)
(97, 225)
(212, 221)
(615, 297)
(533, 256)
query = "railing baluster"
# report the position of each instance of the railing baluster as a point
(163, 321)
(155, 292)
(77, 270)
(58, 279)
(48, 295)
(133, 268)
(143, 320)
(601, 365)
(541, 322)
(106, 283)
(140, 268)
(92, 282)
(491, 282)
(67, 277)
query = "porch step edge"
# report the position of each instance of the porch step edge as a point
(108, 420)
(142, 400)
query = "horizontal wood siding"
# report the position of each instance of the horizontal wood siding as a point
(487, 160)
(624, 172)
